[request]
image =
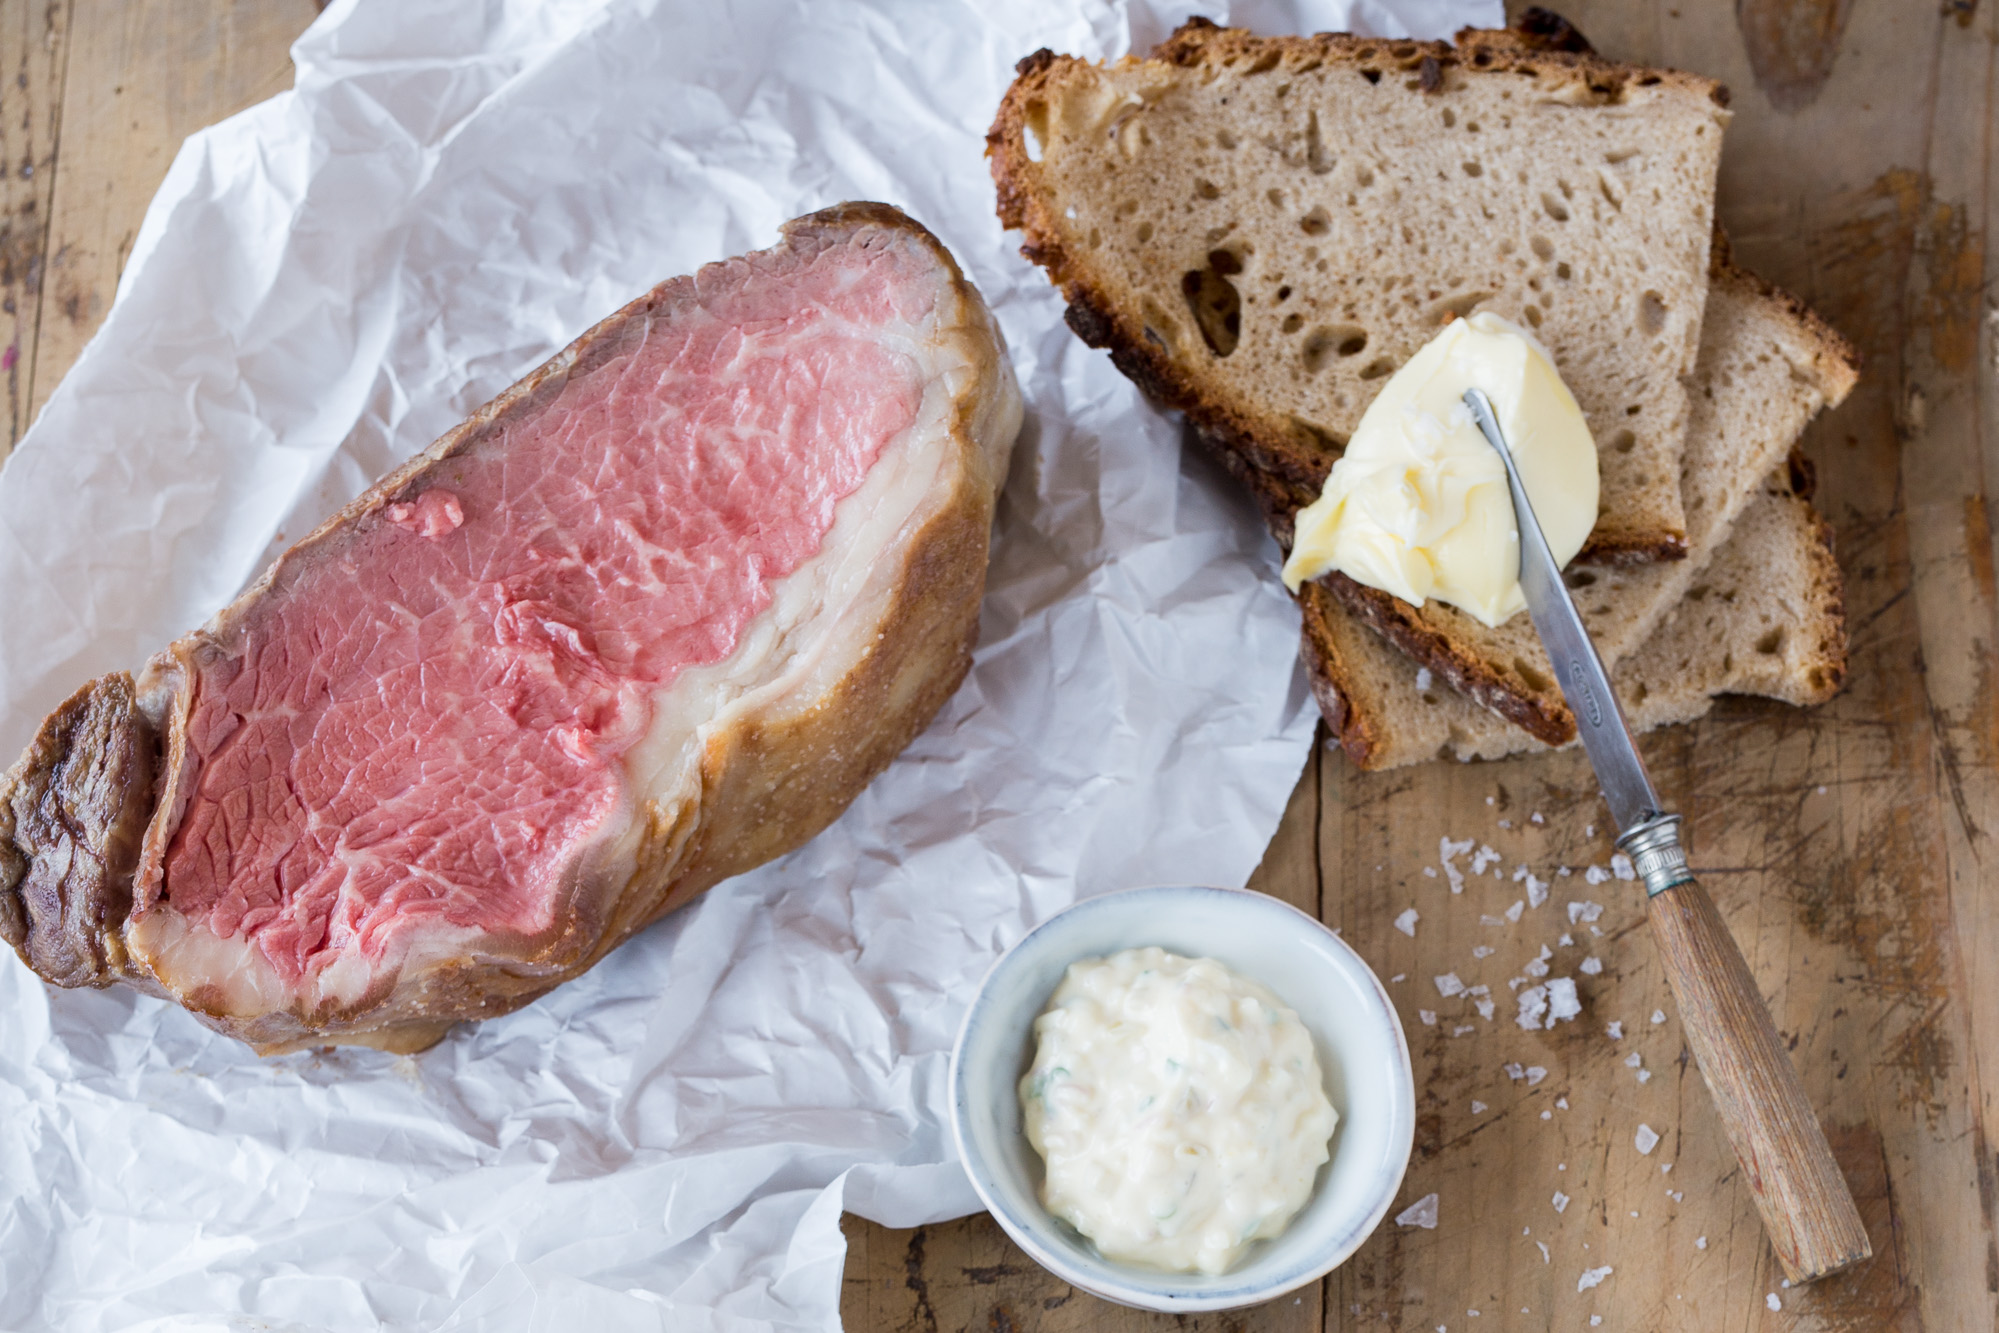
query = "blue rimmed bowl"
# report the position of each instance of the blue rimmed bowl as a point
(1361, 1051)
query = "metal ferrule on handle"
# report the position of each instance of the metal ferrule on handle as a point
(1654, 849)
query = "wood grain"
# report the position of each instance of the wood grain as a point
(1809, 1216)
(1850, 847)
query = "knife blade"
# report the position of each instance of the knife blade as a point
(1585, 684)
(1799, 1191)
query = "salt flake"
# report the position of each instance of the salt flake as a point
(1700, 1242)
(1591, 966)
(1584, 911)
(1620, 866)
(1615, 1027)
(1544, 1259)
(1646, 1139)
(1513, 912)
(1406, 923)
(1658, 1015)
(1429, 1017)
(1563, 1006)
(1533, 1006)
(1633, 1060)
(1597, 875)
(1590, 1278)
(1535, 1074)
(1561, 1202)
(1477, 1107)
(1772, 1301)
(1483, 951)
(1422, 1213)
(1448, 985)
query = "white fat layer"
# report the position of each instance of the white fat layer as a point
(822, 620)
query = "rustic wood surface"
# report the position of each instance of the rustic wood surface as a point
(1845, 846)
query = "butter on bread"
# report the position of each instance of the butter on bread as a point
(1767, 618)
(1768, 365)
(1262, 229)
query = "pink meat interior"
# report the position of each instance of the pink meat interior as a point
(425, 725)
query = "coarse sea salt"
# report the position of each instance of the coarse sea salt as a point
(1513, 912)
(1615, 1027)
(1563, 1003)
(1646, 1139)
(1597, 875)
(1483, 951)
(1535, 1074)
(1448, 985)
(1535, 818)
(1533, 1007)
(1561, 1103)
(1431, 871)
(1462, 1028)
(1513, 1070)
(1561, 1202)
(1400, 976)
(1772, 1301)
(1422, 678)
(1633, 1060)
(1406, 923)
(1429, 1017)
(1584, 911)
(1477, 1107)
(1620, 866)
(1486, 1009)
(1422, 1213)
(1592, 1277)
(1544, 1259)
(1590, 966)
(1488, 919)
(1658, 1015)
(1700, 1242)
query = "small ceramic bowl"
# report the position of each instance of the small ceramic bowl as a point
(1353, 1024)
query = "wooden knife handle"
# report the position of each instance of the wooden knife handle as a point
(1806, 1206)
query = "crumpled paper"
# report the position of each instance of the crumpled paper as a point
(333, 278)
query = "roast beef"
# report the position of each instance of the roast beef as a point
(651, 617)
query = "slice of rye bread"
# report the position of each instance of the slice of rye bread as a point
(1767, 617)
(1260, 230)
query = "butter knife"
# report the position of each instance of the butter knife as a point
(1804, 1201)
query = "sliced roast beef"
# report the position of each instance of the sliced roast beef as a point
(649, 618)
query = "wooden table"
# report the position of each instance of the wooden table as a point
(1851, 847)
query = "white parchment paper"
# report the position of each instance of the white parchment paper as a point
(327, 282)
